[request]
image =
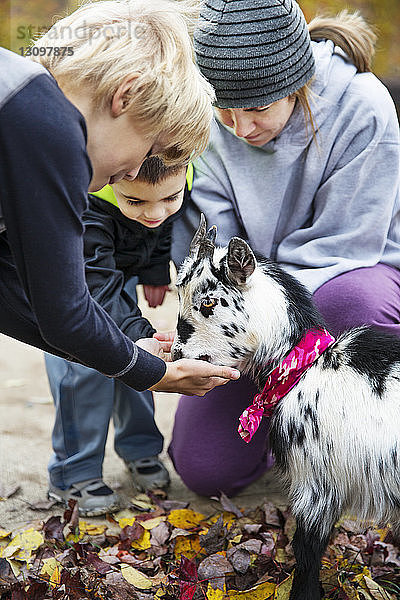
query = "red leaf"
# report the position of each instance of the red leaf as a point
(188, 578)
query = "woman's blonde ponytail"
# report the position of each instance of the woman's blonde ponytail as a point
(351, 33)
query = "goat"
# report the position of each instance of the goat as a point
(335, 434)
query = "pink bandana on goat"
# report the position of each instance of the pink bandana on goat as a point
(283, 378)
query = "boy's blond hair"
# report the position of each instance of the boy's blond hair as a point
(113, 39)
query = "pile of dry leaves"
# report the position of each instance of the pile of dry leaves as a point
(164, 550)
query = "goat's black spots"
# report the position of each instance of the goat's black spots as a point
(228, 331)
(310, 416)
(374, 354)
(237, 352)
(184, 329)
(207, 286)
(296, 432)
(224, 302)
(331, 359)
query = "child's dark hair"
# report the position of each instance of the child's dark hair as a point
(153, 170)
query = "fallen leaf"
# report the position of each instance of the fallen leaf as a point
(189, 546)
(4, 533)
(6, 491)
(136, 578)
(151, 523)
(229, 506)
(185, 518)
(257, 592)
(143, 543)
(214, 568)
(282, 591)
(23, 544)
(216, 594)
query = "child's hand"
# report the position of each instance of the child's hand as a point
(155, 294)
(166, 339)
(151, 345)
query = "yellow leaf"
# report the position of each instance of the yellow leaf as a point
(217, 594)
(15, 567)
(237, 538)
(185, 518)
(123, 514)
(143, 543)
(4, 533)
(48, 567)
(135, 577)
(227, 518)
(280, 555)
(282, 591)
(258, 592)
(91, 528)
(126, 521)
(23, 544)
(374, 589)
(188, 545)
(350, 591)
(55, 578)
(151, 523)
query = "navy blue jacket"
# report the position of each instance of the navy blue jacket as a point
(45, 172)
(116, 249)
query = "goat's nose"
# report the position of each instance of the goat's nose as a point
(176, 354)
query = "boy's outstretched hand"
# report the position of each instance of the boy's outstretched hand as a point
(194, 377)
(155, 294)
(186, 376)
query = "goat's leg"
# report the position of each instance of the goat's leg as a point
(308, 548)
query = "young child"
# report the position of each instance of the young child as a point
(127, 241)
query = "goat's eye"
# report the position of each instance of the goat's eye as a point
(209, 302)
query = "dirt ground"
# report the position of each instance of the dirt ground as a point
(26, 420)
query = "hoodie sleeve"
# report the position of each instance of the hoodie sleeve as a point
(105, 281)
(356, 209)
(44, 174)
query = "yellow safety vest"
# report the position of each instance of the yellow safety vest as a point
(106, 193)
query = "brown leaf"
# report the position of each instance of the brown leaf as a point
(271, 514)
(6, 491)
(96, 562)
(229, 506)
(129, 534)
(53, 529)
(214, 568)
(42, 505)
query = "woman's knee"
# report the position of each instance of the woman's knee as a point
(355, 298)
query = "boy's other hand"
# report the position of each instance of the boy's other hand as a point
(194, 377)
(166, 339)
(155, 294)
(151, 345)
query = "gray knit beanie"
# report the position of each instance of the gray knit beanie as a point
(253, 52)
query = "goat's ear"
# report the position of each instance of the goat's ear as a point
(240, 260)
(198, 236)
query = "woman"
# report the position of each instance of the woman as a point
(303, 162)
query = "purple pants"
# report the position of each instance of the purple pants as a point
(206, 449)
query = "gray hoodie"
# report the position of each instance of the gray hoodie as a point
(319, 209)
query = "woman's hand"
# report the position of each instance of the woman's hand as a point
(194, 377)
